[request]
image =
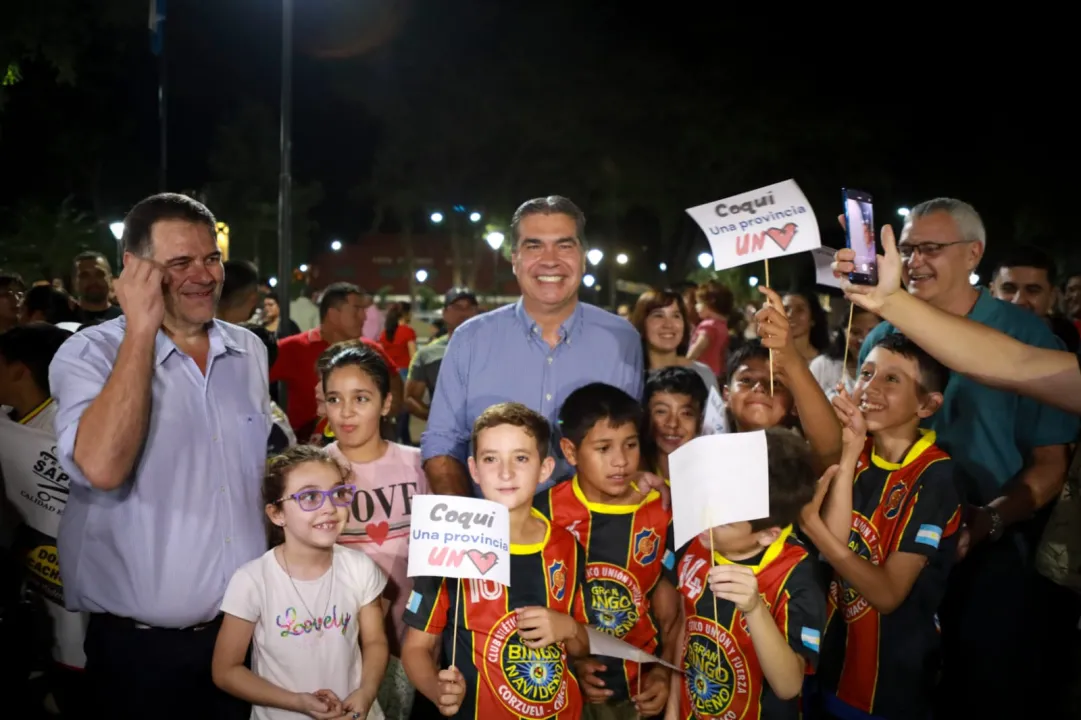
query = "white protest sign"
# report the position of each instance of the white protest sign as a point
(459, 537)
(608, 646)
(717, 480)
(713, 422)
(823, 257)
(769, 222)
(37, 487)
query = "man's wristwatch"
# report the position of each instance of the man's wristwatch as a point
(996, 523)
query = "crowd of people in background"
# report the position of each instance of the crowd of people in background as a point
(916, 554)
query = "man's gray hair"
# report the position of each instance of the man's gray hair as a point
(968, 220)
(551, 205)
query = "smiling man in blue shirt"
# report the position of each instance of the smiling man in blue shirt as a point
(536, 351)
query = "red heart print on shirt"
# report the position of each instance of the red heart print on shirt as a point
(378, 531)
(483, 561)
(783, 237)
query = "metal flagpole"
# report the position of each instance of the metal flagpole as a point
(285, 184)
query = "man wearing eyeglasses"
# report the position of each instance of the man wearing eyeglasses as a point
(1011, 455)
(12, 289)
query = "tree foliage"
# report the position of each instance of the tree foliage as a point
(47, 239)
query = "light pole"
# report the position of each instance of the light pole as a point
(705, 260)
(285, 181)
(495, 241)
(117, 229)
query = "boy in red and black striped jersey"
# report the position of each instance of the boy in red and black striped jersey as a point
(512, 642)
(630, 591)
(889, 528)
(755, 610)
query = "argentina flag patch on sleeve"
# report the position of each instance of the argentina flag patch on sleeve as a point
(930, 535)
(414, 601)
(811, 638)
(669, 559)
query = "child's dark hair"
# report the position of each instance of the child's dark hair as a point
(277, 476)
(518, 415)
(590, 404)
(792, 479)
(356, 353)
(33, 345)
(751, 350)
(933, 374)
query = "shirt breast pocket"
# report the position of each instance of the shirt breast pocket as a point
(253, 433)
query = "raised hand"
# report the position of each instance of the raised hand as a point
(139, 291)
(871, 297)
(853, 424)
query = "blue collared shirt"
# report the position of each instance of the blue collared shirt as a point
(500, 357)
(161, 548)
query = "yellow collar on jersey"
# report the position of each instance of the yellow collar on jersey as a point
(610, 509)
(534, 547)
(922, 444)
(35, 412)
(769, 556)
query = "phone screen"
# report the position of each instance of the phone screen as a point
(860, 224)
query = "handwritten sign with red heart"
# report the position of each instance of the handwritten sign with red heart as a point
(459, 537)
(483, 561)
(753, 226)
(782, 237)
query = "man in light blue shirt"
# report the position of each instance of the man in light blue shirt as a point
(162, 423)
(536, 351)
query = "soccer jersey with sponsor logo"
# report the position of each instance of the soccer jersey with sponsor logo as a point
(884, 665)
(627, 551)
(504, 678)
(722, 677)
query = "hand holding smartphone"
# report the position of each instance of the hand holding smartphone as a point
(860, 236)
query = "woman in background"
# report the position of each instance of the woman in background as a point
(660, 317)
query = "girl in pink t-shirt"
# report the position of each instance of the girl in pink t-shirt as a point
(356, 384)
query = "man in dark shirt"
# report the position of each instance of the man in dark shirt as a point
(1026, 277)
(93, 283)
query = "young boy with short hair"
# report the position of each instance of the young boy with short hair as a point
(889, 529)
(754, 610)
(675, 402)
(629, 562)
(512, 641)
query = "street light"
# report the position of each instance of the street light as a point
(437, 217)
(495, 239)
(664, 267)
(474, 217)
(336, 245)
(272, 282)
(752, 281)
(303, 267)
(422, 275)
(974, 279)
(595, 256)
(117, 229)
(705, 260)
(903, 212)
(622, 258)
(588, 280)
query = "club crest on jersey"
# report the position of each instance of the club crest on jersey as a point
(529, 682)
(557, 579)
(716, 671)
(646, 545)
(894, 498)
(615, 598)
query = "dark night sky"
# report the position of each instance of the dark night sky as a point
(948, 111)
